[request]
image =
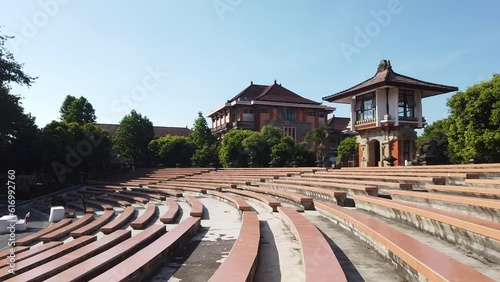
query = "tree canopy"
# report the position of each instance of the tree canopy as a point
(172, 150)
(474, 123)
(10, 70)
(78, 110)
(201, 134)
(132, 139)
(320, 137)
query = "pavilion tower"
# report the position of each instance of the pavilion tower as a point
(385, 111)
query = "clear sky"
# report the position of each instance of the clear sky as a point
(171, 59)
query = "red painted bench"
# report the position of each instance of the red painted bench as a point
(465, 191)
(57, 265)
(171, 213)
(270, 201)
(64, 231)
(144, 195)
(320, 263)
(483, 208)
(180, 185)
(351, 189)
(17, 250)
(241, 262)
(113, 201)
(418, 261)
(240, 203)
(305, 201)
(158, 191)
(93, 226)
(379, 184)
(141, 265)
(120, 221)
(190, 189)
(31, 252)
(35, 237)
(47, 256)
(476, 238)
(100, 205)
(128, 197)
(146, 217)
(196, 206)
(98, 264)
(321, 193)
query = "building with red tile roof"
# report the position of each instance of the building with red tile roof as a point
(259, 105)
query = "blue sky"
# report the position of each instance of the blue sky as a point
(171, 59)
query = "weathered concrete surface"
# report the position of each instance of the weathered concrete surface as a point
(358, 260)
(207, 250)
(455, 251)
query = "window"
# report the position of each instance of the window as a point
(290, 131)
(311, 114)
(264, 111)
(288, 114)
(321, 115)
(365, 106)
(406, 104)
(248, 111)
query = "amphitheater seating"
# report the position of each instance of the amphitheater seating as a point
(379, 184)
(112, 201)
(100, 205)
(144, 195)
(128, 197)
(351, 189)
(17, 249)
(182, 185)
(178, 187)
(64, 231)
(414, 180)
(196, 206)
(465, 191)
(480, 239)
(270, 201)
(306, 202)
(146, 217)
(120, 221)
(35, 237)
(161, 192)
(96, 265)
(143, 264)
(94, 225)
(171, 213)
(483, 208)
(490, 183)
(321, 193)
(418, 260)
(240, 203)
(31, 252)
(62, 263)
(320, 263)
(48, 255)
(241, 262)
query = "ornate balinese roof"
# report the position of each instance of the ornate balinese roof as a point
(271, 93)
(384, 77)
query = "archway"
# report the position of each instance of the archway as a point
(374, 153)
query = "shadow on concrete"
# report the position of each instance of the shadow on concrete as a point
(268, 266)
(350, 271)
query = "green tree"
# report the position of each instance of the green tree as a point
(206, 156)
(304, 156)
(10, 70)
(172, 150)
(320, 137)
(438, 132)
(17, 129)
(283, 153)
(232, 152)
(346, 146)
(77, 110)
(257, 149)
(132, 139)
(201, 134)
(474, 123)
(72, 150)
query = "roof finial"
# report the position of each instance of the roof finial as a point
(275, 82)
(384, 65)
(251, 82)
